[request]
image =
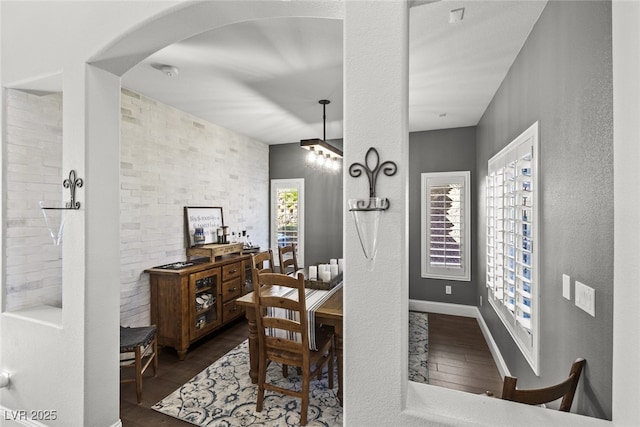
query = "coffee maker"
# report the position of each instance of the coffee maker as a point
(223, 234)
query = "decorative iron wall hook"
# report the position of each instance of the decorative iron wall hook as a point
(372, 170)
(71, 183)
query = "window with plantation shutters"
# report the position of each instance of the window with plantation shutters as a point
(512, 245)
(287, 216)
(446, 230)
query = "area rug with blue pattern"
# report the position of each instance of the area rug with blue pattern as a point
(223, 396)
(418, 347)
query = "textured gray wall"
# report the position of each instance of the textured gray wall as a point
(563, 78)
(323, 200)
(439, 151)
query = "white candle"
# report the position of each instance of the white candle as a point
(334, 270)
(313, 272)
(325, 275)
(340, 265)
(333, 261)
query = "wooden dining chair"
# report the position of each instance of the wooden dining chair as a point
(565, 390)
(288, 259)
(258, 263)
(283, 337)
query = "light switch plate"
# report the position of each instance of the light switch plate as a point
(586, 298)
(566, 286)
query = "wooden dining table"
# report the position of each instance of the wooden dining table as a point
(329, 313)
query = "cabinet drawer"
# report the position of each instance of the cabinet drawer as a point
(231, 289)
(231, 271)
(231, 310)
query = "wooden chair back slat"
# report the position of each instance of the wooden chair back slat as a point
(565, 389)
(280, 302)
(282, 324)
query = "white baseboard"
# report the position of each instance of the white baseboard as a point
(493, 347)
(443, 308)
(465, 311)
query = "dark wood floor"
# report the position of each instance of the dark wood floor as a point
(458, 358)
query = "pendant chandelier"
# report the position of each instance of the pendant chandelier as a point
(322, 155)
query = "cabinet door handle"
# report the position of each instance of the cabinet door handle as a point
(233, 309)
(232, 289)
(232, 271)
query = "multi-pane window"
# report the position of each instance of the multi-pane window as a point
(287, 215)
(446, 231)
(512, 244)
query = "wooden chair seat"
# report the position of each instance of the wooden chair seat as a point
(324, 339)
(138, 350)
(565, 389)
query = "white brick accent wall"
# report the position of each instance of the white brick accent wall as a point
(34, 173)
(170, 159)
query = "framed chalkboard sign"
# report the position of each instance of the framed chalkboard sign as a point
(207, 218)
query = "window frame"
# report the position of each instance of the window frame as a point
(498, 246)
(277, 184)
(428, 179)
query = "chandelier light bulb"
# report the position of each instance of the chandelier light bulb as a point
(311, 157)
(328, 164)
(320, 159)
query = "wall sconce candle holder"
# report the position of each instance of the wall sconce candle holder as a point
(366, 212)
(54, 215)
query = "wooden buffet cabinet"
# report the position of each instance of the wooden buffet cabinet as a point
(191, 302)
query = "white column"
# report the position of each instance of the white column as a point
(376, 302)
(626, 150)
(102, 248)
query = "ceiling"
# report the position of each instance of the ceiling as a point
(264, 78)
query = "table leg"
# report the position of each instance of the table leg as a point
(253, 345)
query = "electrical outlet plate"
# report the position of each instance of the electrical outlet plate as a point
(447, 289)
(585, 298)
